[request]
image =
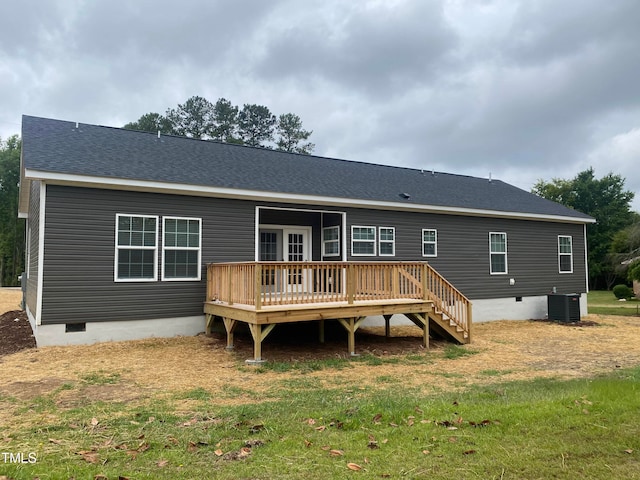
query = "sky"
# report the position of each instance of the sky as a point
(519, 90)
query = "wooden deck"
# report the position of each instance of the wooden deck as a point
(265, 294)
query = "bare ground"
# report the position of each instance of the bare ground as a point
(135, 371)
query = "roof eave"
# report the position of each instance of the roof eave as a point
(243, 194)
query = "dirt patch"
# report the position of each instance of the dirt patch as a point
(15, 332)
(28, 389)
(77, 396)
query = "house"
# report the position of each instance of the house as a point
(122, 225)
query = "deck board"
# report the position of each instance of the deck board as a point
(316, 311)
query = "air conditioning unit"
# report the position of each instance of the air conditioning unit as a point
(564, 308)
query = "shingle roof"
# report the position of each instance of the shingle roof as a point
(57, 146)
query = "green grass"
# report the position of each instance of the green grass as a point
(602, 302)
(340, 363)
(587, 428)
(495, 373)
(453, 351)
(101, 378)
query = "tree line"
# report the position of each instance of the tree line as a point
(252, 125)
(12, 229)
(613, 242)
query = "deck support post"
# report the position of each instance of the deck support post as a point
(209, 325)
(321, 331)
(229, 325)
(387, 325)
(422, 321)
(351, 325)
(259, 334)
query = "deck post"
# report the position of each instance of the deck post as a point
(259, 335)
(230, 326)
(395, 281)
(425, 331)
(425, 282)
(209, 324)
(351, 324)
(469, 320)
(421, 320)
(351, 284)
(209, 284)
(230, 285)
(258, 286)
(387, 325)
(321, 331)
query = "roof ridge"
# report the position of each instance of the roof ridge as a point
(267, 149)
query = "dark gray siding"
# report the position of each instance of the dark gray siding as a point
(80, 250)
(463, 251)
(33, 254)
(79, 254)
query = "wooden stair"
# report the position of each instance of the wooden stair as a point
(451, 314)
(443, 327)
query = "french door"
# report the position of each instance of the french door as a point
(297, 248)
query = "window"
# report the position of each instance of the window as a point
(565, 254)
(429, 242)
(268, 246)
(387, 239)
(363, 241)
(498, 252)
(331, 241)
(136, 248)
(181, 249)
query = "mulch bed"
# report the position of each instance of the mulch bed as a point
(581, 323)
(15, 332)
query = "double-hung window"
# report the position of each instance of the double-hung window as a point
(331, 241)
(181, 248)
(136, 248)
(363, 241)
(498, 253)
(387, 241)
(429, 242)
(565, 254)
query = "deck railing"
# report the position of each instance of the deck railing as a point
(262, 284)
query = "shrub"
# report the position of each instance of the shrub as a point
(622, 291)
(634, 271)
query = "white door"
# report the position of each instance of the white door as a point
(297, 248)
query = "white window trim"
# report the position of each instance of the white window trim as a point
(325, 242)
(506, 250)
(435, 242)
(392, 242)
(570, 255)
(373, 254)
(198, 248)
(134, 247)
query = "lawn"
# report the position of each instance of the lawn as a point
(582, 428)
(603, 302)
(525, 400)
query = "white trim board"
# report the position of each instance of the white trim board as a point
(244, 194)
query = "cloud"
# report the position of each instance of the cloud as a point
(525, 90)
(620, 155)
(373, 48)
